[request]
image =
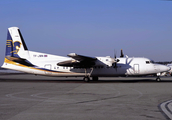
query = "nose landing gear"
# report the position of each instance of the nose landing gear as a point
(158, 79)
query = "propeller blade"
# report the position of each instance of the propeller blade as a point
(122, 55)
(116, 66)
(114, 53)
(115, 60)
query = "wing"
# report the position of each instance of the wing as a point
(81, 57)
(79, 61)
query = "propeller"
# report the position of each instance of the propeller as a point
(115, 61)
(128, 62)
(122, 55)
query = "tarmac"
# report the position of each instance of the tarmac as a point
(29, 97)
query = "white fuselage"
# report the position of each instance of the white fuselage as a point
(47, 65)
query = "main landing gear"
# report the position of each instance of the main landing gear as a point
(86, 79)
(87, 76)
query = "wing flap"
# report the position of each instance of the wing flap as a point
(68, 63)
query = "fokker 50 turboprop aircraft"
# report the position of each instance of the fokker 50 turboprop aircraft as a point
(18, 57)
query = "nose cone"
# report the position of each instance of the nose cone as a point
(163, 68)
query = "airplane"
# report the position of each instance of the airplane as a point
(18, 57)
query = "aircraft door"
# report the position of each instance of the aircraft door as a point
(47, 66)
(136, 68)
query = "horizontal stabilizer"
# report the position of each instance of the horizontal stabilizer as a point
(20, 61)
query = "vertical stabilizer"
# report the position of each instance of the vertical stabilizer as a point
(15, 45)
(16, 49)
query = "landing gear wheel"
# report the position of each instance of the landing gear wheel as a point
(86, 79)
(95, 78)
(158, 79)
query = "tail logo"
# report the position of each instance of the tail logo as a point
(15, 45)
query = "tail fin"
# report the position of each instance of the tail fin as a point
(16, 49)
(15, 45)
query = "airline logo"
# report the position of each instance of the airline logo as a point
(15, 46)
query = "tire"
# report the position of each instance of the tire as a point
(158, 79)
(86, 79)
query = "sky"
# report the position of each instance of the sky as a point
(142, 28)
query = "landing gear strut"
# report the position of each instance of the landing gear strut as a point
(158, 79)
(87, 75)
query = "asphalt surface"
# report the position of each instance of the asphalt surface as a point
(29, 97)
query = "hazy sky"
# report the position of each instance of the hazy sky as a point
(142, 28)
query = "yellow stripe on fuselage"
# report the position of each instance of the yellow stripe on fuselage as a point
(18, 64)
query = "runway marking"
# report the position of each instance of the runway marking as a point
(140, 93)
(41, 97)
(20, 98)
(37, 95)
(166, 107)
(101, 99)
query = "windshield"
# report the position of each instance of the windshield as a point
(151, 61)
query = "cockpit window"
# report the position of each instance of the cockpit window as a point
(147, 62)
(152, 61)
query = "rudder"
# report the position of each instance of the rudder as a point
(16, 49)
(15, 45)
